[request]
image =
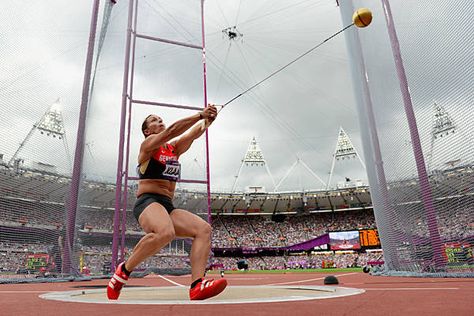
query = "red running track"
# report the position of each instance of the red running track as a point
(384, 296)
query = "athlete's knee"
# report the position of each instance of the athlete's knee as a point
(160, 238)
(168, 234)
(205, 230)
(153, 239)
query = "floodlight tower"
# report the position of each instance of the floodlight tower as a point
(443, 126)
(50, 124)
(344, 150)
(253, 157)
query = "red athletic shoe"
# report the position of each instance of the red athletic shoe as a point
(207, 288)
(118, 280)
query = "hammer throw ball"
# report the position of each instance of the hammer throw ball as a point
(362, 17)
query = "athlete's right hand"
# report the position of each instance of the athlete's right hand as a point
(209, 112)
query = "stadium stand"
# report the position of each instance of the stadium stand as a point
(32, 223)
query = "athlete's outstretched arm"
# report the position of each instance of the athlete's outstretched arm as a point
(183, 143)
(154, 141)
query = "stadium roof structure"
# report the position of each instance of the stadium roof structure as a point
(44, 187)
(39, 185)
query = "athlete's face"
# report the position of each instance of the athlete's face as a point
(155, 124)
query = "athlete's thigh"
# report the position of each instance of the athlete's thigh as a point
(155, 219)
(187, 224)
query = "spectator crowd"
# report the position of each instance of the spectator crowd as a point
(228, 232)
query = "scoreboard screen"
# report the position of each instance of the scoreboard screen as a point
(36, 261)
(344, 240)
(456, 252)
(369, 238)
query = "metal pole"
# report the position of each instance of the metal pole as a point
(333, 161)
(208, 176)
(127, 150)
(425, 188)
(379, 189)
(120, 174)
(79, 153)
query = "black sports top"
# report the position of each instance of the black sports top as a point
(163, 164)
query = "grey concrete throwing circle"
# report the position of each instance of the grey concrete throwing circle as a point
(175, 295)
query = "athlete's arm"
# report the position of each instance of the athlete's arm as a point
(183, 143)
(154, 141)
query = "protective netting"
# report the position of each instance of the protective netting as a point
(423, 196)
(40, 87)
(41, 93)
(41, 81)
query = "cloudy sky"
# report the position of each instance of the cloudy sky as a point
(295, 116)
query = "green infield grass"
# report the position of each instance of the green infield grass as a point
(287, 271)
